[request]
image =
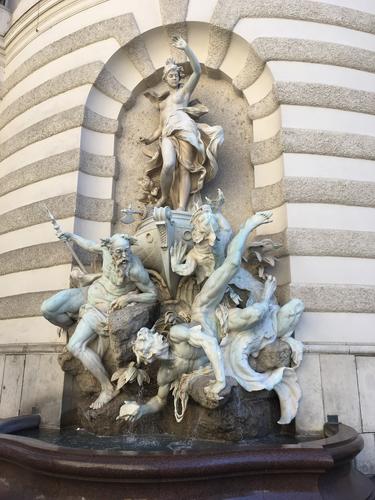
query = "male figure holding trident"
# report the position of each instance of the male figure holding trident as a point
(186, 161)
(124, 280)
(195, 344)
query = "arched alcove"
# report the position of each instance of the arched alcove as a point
(239, 95)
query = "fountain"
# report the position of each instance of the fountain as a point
(190, 356)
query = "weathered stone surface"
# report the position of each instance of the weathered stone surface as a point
(325, 96)
(34, 257)
(314, 190)
(59, 164)
(52, 87)
(110, 86)
(244, 416)
(61, 206)
(267, 150)
(227, 14)
(102, 166)
(95, 121)
(123, 326)
(292, 49)
(327, 143)
(250, 72)
(265, 106)
(272, 356)
(139, 56)
(331, 298)
(123, 28)
(43, 129)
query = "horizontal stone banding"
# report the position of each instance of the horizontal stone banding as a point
(34, 257)
(290, 49)
(40, 170)
(60, 122)
(325, 242)
(52, 166)
(21, 306)
(48, 127)
(123, 28)
(62, 207)
(314, 190)
(25, 305)
(325, 96)
(73, 78)
(328, 143)
(331, 298)
(318, 142)
(225, 17)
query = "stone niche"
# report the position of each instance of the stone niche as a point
(235, 175)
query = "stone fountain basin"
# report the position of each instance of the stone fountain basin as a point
(314, 469)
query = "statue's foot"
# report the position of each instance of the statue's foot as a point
(104, 397)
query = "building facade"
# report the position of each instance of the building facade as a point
(298, 77)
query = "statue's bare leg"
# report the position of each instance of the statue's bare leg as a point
(82, 336)
(59, 308)
(187, 155)
(169, 164)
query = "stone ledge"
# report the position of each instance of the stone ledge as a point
(330, 298)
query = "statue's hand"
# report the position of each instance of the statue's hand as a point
(262, 218)
(144, 140)
(119, 303)
(130, 411)
(269, 287)
(178, 252)
(213, 390)
(64, 236)
(179, 42)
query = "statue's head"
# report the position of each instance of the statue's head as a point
(150, 345)
(289, 316)
(204, 225)
(119, 246)
(173, 73)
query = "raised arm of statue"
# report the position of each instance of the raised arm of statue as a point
(190, 85)
(90, 246)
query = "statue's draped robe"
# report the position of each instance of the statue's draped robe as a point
(181, 125)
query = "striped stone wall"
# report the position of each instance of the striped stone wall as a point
(306, 69)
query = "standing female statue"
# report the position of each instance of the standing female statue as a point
(186, 157)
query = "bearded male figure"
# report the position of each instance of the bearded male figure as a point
(123, 281)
